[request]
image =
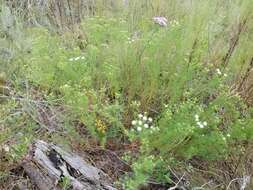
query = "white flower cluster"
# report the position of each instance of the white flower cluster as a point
(224, 138)
(218, 71)
(200, 124)
(130, 40)
(174, 23)
(6, 148)
(76, 58)
(162, 21)
(143, 123)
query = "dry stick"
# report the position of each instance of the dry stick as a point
(192, 52)
(70, 12)
(249, 91)
(176, 186)
(60, 14)
(232, 182)
(79, 11)
(194, 45)
(234, 43)
(207, 183)
(246, 75)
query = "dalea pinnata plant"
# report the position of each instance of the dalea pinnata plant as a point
(186, 130)
(143, 123)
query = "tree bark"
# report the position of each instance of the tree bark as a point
(47, 165)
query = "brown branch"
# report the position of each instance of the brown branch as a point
(234, 43)
(245, 77)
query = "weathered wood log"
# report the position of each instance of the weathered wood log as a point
(47, 165)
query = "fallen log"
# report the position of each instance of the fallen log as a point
(47, 165)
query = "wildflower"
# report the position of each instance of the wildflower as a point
(66, 86)
(205, 123)
(218, 71)
(140, 122)
(76, 58)
(197, 117)
(135, 103)
(134, 122)
(101, 127)
(174, 23)
(6, 148)
(150, 119)
(228, 135)
(225, 75)
(162, 21)
(140, 116)
(145, 125)
(139, 128)
(131, 40)
(200, 125)
(144, 118)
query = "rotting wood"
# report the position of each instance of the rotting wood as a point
(47, 165)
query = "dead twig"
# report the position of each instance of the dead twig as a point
(179, 181)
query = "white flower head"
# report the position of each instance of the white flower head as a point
(162, 21)
(150, 119)
(140, 116)
(144, 118)
(140, 122)
(77, 58)
(196, 117)
(6, 148)
(205, 123)
(139, 128)
(174, 23)
(228, 135)
(134, 122)
(200, 125)
(218, 71)
(146, 126)
(225, 75)
(71, 59)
